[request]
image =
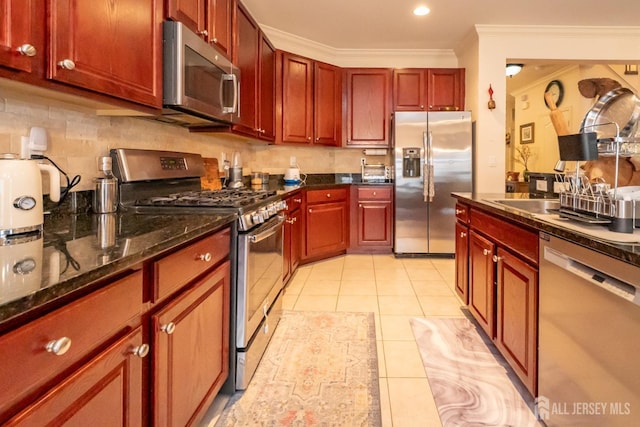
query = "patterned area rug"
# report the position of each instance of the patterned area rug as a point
(320, 369)
(471, 382)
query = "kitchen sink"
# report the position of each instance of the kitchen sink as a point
(534, 206)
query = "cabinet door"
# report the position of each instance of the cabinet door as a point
(296, 239)
(409, 89)
(374, 224)
(107, 390)
(462, 262)
(267, 82)
(219, 25)
(481, 282)
(297, 99)
(516, 319)
(21, 37)
(368, 107)
(327, 229)
(106, 47)
(327, 105)
(191, 350)
(245, 54)
(445, 89)
(191, 13)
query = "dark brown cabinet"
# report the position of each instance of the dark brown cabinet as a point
(22, 35)
(368, 111)
(310, 96)
(104, 47)
(326, 223)
(462, 252)
(211, 19)
(190, 360)
(372, 219)
(255, 56)
(292, 235)
(428, 89)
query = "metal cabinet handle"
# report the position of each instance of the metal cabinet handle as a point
(297, 200)
(141, 351)
(486, 252)
(329, 195)
(290, 221)
(27, 50)
(422, 107)
(496, 258)
(204, 257)
(203, 33)
(67, 64)
(308, 138)
(359, 205)
(169, 328)
(215, 40)
(310, 210)
(59, 346)
(459, 211)
(463, 234)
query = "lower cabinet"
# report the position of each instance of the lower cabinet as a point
(190, 359)
(292, 235)
(371, 219)
(503, 289)
(326, 223)
(462, 262)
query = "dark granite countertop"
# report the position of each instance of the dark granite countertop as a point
(627, 252)
(79, 250)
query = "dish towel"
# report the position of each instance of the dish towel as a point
(428, 188)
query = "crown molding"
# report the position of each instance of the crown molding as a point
(393, 58)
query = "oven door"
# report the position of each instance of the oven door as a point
(260, 265)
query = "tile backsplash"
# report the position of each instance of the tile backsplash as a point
(77, 136)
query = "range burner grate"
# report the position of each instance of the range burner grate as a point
(225, 198)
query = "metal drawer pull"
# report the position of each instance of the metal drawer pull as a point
(374, 193)
(141, 351)
(297, 200)
(204, 257)
(203, 33)
(497, 258)
(328, 194)
(27, 50)
(485, 251)
(67, 64)
(291, 221)
(59, 346)
(459, 211)
(169, 328)
(463, 234)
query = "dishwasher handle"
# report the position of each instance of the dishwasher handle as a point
(593, 276)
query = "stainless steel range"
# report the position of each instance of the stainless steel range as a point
(169, 183)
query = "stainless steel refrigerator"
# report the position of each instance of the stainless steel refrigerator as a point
(433, 158)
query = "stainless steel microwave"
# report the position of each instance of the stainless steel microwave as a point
(200, 86)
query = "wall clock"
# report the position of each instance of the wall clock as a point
(557, 92)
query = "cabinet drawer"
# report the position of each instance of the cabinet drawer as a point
(86, 323)
(328, 195)
(181, 267)
(374, 193)
(462, 213)
(520, 240)
(294, 202)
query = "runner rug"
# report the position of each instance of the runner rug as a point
(471, 382)
(320, 369)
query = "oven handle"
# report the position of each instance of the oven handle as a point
(273, 229)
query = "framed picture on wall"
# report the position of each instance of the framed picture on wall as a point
(526, 133)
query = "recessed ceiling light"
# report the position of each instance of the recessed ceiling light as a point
(421, 10)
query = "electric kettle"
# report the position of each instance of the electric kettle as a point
(21, 209)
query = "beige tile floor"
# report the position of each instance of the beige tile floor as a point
(395, 290)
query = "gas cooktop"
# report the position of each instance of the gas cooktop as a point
(224, 198)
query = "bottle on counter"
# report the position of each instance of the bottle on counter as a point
(105, 193)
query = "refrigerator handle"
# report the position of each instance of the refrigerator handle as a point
(428, 187)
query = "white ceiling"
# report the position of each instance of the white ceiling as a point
(390, 24)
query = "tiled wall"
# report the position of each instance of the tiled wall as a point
(77, 137)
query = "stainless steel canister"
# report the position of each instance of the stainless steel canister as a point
(105, 195)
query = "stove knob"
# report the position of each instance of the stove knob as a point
(256, 218)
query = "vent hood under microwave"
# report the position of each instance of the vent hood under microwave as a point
(200, 86)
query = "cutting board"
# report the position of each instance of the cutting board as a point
(211, 178)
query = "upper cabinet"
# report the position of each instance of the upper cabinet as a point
(210, 19)
(368, 94)
(310, 96)
(428, 89)
(113, 47)
(255, 56)
(21, 35)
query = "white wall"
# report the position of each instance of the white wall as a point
(498, 45)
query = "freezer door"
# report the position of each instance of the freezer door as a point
(411, 234)
(450, 143)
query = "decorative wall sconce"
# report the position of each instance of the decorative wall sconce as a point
(513, 69)
(491, 104)
(631, 69)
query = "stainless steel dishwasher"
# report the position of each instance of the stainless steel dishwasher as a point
(589, 337)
